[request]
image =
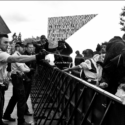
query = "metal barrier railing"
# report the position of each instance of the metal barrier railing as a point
(59, 98)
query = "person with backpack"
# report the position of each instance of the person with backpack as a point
(114, 64)
(114, 75)
(90, 71)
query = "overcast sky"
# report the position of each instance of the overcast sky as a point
(31, 17)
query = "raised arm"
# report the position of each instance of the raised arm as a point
(21, 59)
(68, 49)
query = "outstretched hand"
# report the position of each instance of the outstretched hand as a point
(44, 51)
(103, 85)
(41, 55)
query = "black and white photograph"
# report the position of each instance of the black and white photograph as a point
(62, 62)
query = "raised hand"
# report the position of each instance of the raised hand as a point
(40, 56)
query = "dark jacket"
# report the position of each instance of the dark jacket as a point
(78, 59)
(64, 57)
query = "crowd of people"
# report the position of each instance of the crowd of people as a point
(100, 68)
(103, 67)
(18, 67)
(18, 64)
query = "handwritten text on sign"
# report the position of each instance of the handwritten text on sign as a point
(63, 27)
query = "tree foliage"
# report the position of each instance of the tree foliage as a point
(122, 19)
(31, 40)
(18, 38)
(28, 40)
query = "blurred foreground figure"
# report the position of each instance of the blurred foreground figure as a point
(114, 75)
(114, 64)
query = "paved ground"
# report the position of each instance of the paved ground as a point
(14, 114)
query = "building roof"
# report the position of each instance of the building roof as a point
(3, 27)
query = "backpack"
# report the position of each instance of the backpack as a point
(110, 71)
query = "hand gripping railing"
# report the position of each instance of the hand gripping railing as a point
(58, 98)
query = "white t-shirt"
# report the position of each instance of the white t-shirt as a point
(3, 65)
(87, 67)
(19, 67)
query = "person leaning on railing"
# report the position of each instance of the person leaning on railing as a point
(90, 70)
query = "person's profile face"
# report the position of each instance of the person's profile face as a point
(103, 49)
(4, 43)
(87, 55)
(30, 48)
(21, 49)
(43, 41)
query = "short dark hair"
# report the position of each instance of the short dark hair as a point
(113, 40)
(3, 35)
(77, 51)
(19, 44)
(105, 43)
(88, 52)
(29, 44)
(43, 37)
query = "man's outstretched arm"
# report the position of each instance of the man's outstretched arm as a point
(26, 58)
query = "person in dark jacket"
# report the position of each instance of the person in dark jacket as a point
(62, 60)
(114, 75)
(41, 44)
(79, 58)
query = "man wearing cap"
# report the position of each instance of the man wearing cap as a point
(16, 77)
